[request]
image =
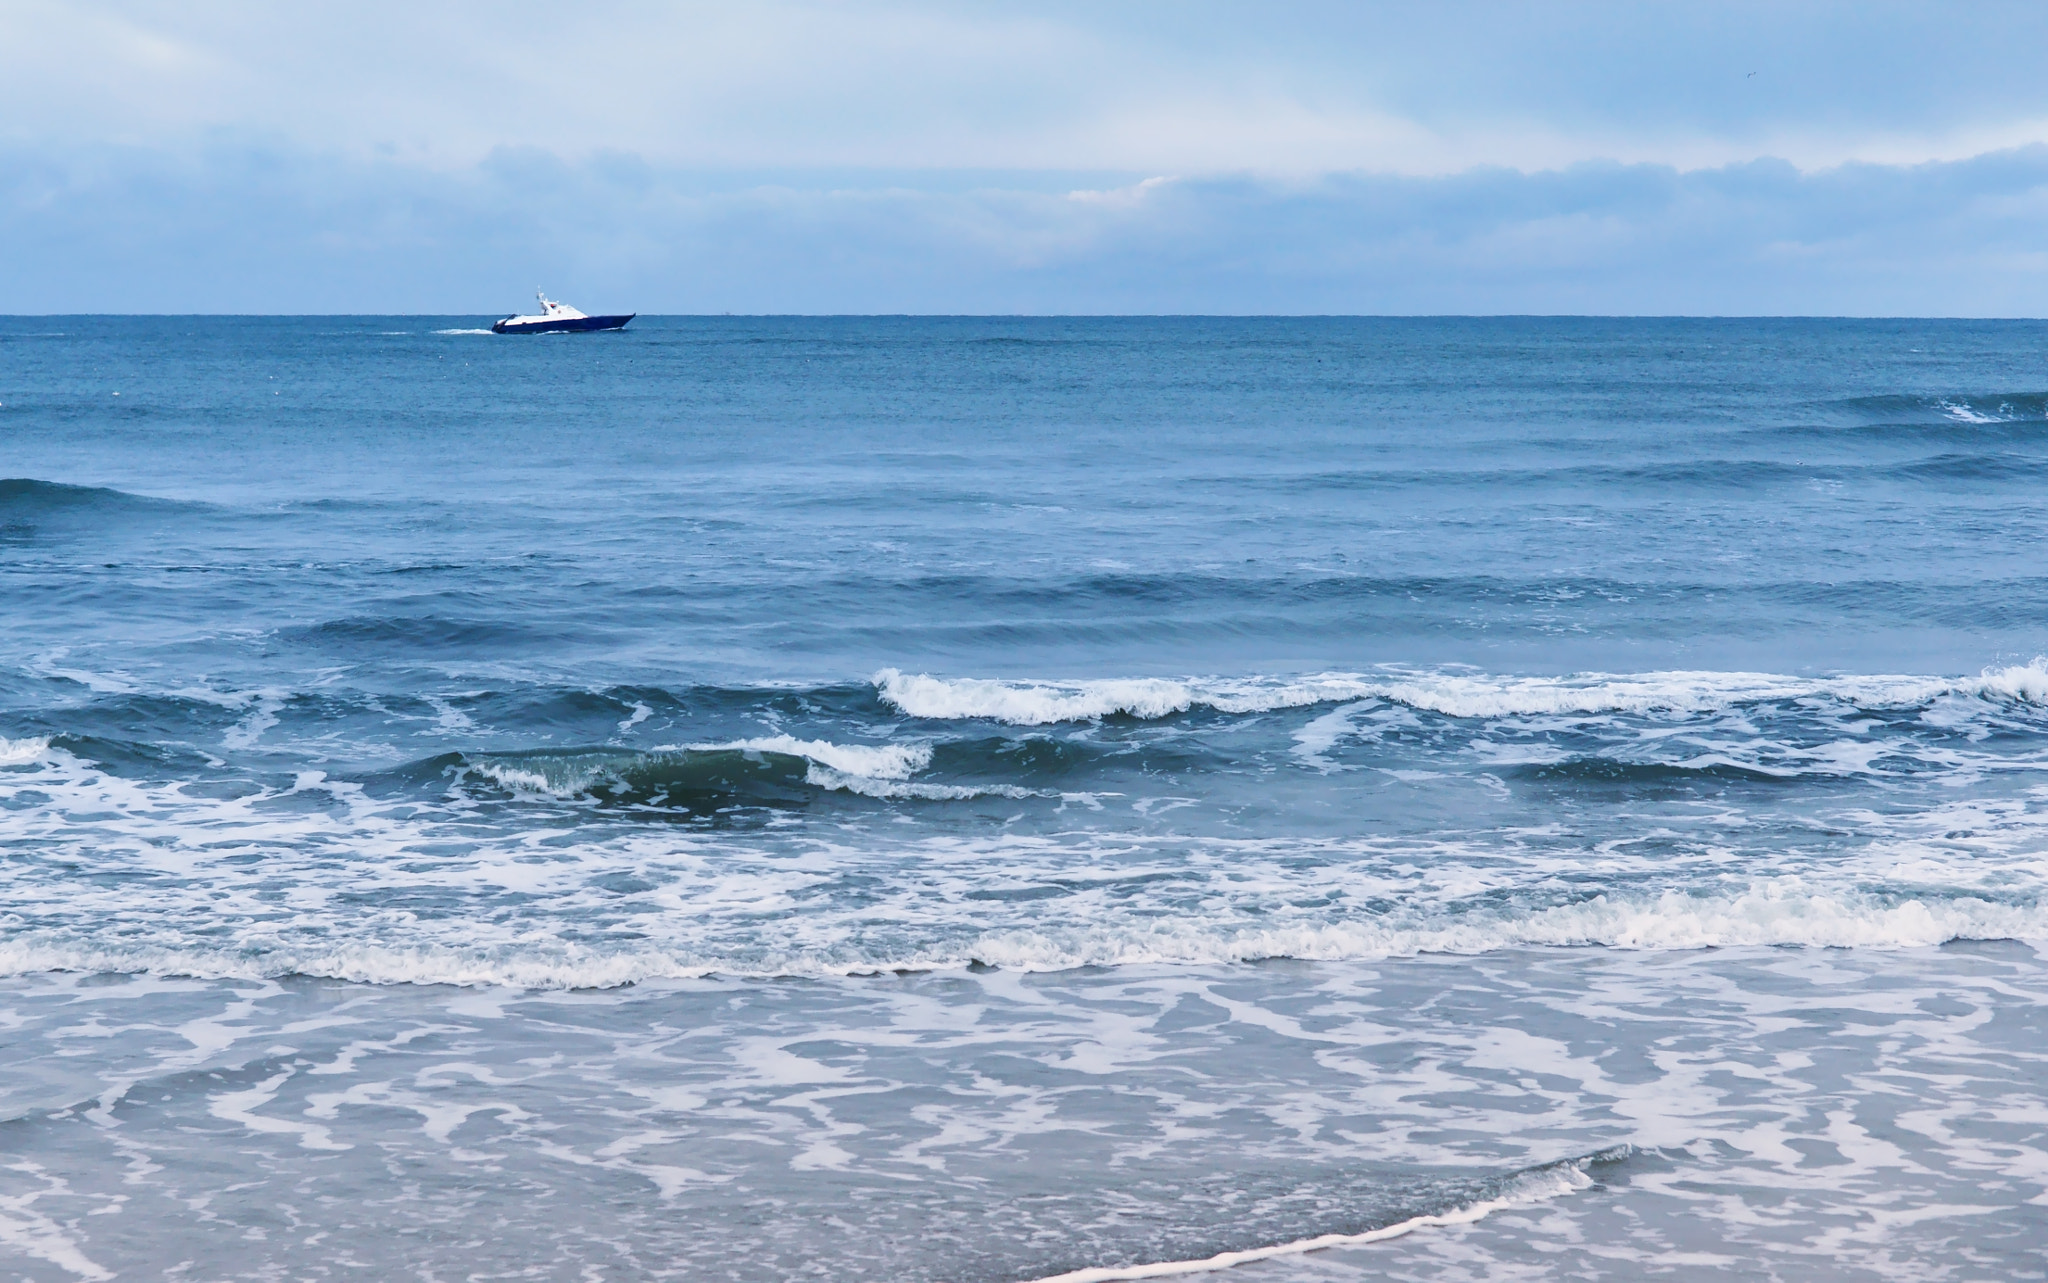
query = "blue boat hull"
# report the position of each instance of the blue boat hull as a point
(577, 325)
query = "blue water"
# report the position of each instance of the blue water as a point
(971, 799)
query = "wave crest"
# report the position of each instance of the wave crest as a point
(23, 751)
(1779, 912)
(1039, 703)
(771, 770)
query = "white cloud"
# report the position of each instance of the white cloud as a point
(1061, 156)
(271, 231)
(1137, 88)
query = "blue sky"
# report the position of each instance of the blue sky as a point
(1713, 159)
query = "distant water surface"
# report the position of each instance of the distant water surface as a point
(973, 799)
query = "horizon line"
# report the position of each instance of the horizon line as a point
(1062, 316)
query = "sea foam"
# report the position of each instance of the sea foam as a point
(1770, 913)
(1039, 703)
(23, 751)
(880, 770)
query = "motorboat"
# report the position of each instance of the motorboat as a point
(559, 318)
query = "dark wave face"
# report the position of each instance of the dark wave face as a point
(775, 790)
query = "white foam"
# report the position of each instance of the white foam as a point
(1774, 912)
(1964, 414)
(532, 780)
(1030, 703)
(23, 751)
(867, 761)
(2027, 684)
(870, 786)
(541, 968)
(448, 718)
(878, 770)
(1038, 703)
(1532, 1187)
(263, 716)
(463, 331)
(110, 873)
(241, 1106)
(1313, 741)
(38, 1236)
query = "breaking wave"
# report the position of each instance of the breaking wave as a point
(768, 771)
(1807, 816)
(1971, 409)
(1776, 912)
(22, 751)
(1039, 703)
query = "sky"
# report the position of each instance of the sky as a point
(1123, 157)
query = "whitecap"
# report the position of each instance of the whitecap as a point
(868, 761)
(871, 786)
(1783, 912)
(1039, 703)
(1965, 414)
(1461, 695)
(22, 751)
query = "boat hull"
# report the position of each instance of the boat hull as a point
(567, 325)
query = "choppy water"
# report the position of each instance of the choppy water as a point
(977, 799)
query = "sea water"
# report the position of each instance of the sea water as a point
(983, 799)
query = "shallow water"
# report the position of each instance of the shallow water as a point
(975, 799)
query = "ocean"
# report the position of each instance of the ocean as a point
(976, 800)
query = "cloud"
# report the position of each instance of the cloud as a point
(1192, 155)
(1145, 86)
(242, 226)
